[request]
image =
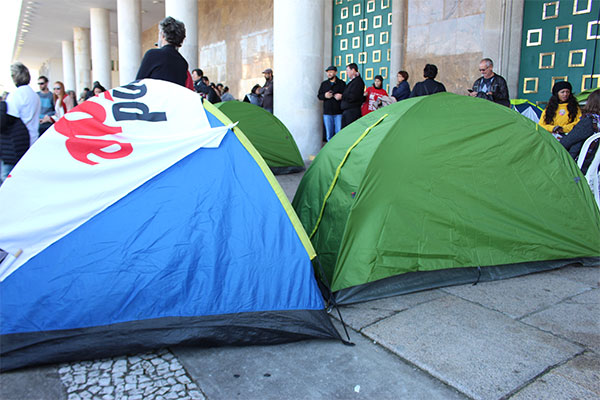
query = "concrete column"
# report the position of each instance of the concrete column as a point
(81, 44)
(100, 39)
(503, 26)
(68, 62)
(327, 36)
(186, 11)
(398, 39)
(298, 70)
(129, 20)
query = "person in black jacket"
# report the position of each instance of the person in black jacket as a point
(353, 96)
(330, 93)
(490, 86)
(166, 63)
(14, 141)
(588, 125)
(429, 85)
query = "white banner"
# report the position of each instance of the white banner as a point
(92, 157)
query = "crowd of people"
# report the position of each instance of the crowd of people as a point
(26, 115)
(344, 103)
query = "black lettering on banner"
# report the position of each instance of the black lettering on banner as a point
(141, 90)
(145, 115)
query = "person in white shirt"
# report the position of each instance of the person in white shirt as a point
(24, 103)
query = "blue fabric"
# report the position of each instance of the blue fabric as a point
(333, 124)
(522, 107)
(208, 236)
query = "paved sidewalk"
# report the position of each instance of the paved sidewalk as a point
(532, 337)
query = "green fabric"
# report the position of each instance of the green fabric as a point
(267, 133)
(517, 102)
(445, 181)
(583, 96)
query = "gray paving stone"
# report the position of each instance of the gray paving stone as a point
(481, 352)
(577, 379)
(316, 369)
(587, 275)
(577, 319)
(520, 296)
(40, 383)
(360, 315)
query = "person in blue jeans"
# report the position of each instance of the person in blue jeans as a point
(330, 93)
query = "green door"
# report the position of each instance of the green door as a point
(361, 35)
(561, 41)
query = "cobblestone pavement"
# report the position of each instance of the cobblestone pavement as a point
(151, 376)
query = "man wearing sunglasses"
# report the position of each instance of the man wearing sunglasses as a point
(47, 103)
(490, 86)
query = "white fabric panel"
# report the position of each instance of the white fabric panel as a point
(57, 186)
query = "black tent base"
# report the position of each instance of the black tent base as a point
(20, 350)
(292, 169)
(418, 281)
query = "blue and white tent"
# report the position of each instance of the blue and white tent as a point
(143, 219)
(527, 109)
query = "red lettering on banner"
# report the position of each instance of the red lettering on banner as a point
(80, 146)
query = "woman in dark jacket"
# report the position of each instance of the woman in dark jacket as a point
(586, 127)
(14, 141)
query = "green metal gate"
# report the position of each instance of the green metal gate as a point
(361, 35)
(561, 41)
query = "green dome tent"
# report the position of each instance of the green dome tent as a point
(583, 96)
(441, 190)
(268, 134)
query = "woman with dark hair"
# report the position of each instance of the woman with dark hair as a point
(98, 88)
(254, 97)
(586, 127)
(373, 95)
(562, 112)
(402, 91)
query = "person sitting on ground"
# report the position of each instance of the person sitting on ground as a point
(254, 97)
(212, 96)
(83, 96)
(62, 102)
(226, 95)
(73, 97)
(562, 112)
(166, 63)
(588, 125)
(220, 89)
(402, 90)
(429, 85)
(373, 96)
(98, 88)
(199, 85)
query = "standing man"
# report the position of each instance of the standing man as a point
(490, 86)
(330, 93)
(47, 103)
(267, 90)
(23, 103)
(353, 96)
(166, 63)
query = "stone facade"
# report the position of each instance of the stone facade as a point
(449, 34)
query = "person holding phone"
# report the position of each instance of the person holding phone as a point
(490, 86)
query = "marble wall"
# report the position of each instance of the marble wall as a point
(449, 34)
(235, 42)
